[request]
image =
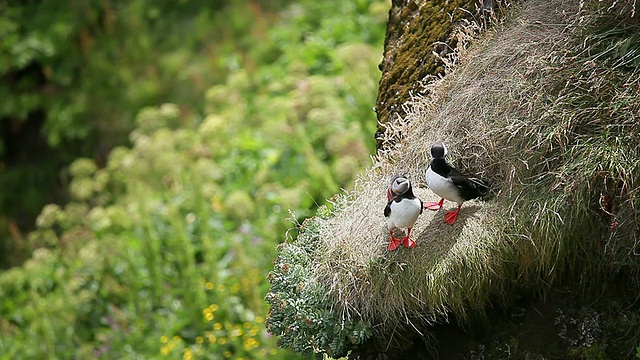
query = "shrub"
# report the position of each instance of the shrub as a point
(301, 313)
(164, 250)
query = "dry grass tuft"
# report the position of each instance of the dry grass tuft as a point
(550, 120)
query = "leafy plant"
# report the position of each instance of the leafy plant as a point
(163, 250)
(301, 313)
(75, 74)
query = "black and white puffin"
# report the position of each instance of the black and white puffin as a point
(402, 210)
(450, 184)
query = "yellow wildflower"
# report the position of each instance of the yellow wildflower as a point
(165, 350)
(251, 343)
(254, 331)
(235, 333)
(187, 354)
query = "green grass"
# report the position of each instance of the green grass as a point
(551, 122)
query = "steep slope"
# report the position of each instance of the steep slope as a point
(544, 108)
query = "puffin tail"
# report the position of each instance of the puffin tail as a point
(481, 186)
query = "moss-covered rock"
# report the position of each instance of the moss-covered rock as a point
(416, 29)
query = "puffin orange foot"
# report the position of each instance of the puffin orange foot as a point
(393, 245)
(434, 205)
(409, 242)
(451, 216)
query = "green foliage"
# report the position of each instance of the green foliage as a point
(75, 73)
(129, 265)
(301, 313)
(157, 52)
(163, 251)
(86, 53)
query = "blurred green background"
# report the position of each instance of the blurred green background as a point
(154, 153)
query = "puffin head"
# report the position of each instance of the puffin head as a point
(438, 150)
(400, 184)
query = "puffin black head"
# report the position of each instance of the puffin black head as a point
(399, 184)
(438, 150)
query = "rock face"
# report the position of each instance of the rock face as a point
(416, 29)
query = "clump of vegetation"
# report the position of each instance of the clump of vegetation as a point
(307, 325)
(164, 250)
(548, 115)
(75, 74)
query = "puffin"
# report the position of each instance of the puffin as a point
(402, 210)
(450, 184)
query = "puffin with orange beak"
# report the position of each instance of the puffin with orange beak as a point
(402, 211)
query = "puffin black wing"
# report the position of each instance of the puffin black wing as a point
(470, 188)
(482, 186)
(387, 209)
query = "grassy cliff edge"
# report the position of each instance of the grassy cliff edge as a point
(543, 107)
